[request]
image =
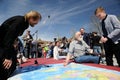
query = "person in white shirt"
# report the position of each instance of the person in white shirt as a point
(56, 50)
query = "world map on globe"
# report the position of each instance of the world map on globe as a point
(71, 72)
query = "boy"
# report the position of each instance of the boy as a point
(111, 35)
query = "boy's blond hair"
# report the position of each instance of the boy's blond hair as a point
(33, 14)
(99, 9)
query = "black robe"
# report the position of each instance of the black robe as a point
(9, 31)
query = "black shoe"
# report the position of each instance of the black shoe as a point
(99, 60)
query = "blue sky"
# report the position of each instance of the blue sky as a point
(66, 16)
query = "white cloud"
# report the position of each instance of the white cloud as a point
(47, 36)
(59, 14)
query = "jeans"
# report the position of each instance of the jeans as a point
(48, 54)
(87, 58)
(97, 49)
(34, 54)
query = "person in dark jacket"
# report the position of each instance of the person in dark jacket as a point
(86, 36)
(96, 45)
(9, 31)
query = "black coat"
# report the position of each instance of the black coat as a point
(9, 31)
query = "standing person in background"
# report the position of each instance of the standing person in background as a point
(111, 35)
(45, 50)
(34, 49)
(9, 31)
(39, 51)
(28, 43)
(85, 36)
(51, 48)
(50, 52)
(96, 43)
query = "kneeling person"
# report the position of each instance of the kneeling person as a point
(78, 49)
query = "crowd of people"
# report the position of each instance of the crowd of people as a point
(58, 48)
(84, 47)
(32, 49)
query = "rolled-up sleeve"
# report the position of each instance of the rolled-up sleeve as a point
(115, 34)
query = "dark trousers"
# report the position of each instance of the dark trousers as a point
(5, 73)
(110, 49)
(28, 50)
